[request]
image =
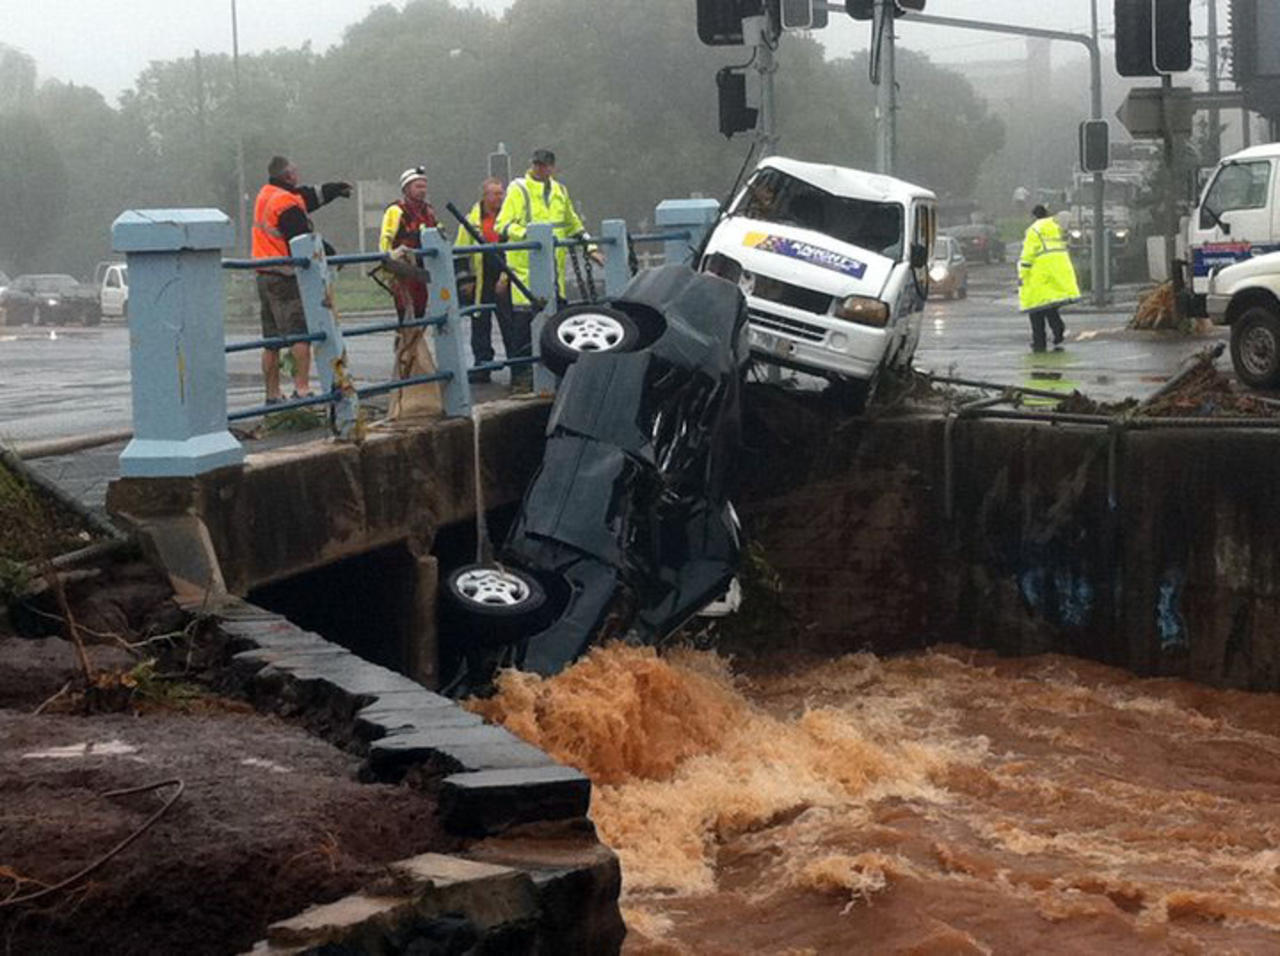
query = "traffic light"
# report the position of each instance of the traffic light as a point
(735, 115)
(1095, 146)
(861, 9)
(720, 21)
(1152, 37)
(797, 14)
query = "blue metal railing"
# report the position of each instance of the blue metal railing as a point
(611, 244)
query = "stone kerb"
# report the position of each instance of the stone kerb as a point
(489, 779)
(537, 880)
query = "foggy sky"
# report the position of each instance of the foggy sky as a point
(107, 43)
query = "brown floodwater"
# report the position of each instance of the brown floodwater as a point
(945, 802)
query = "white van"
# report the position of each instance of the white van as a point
(834, 263)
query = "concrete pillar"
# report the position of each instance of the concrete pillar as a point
(543, 283)
(330, 354)
(176, 341)
(617, 266)
(422, 657)
(695, 215)
(442, 303)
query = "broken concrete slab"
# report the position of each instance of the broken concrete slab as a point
(451, 750)
(490, 801)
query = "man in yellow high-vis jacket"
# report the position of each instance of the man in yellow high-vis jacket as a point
(537, 196)
(1046, 278)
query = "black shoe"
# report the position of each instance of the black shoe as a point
(475, 377)
(1037, 349)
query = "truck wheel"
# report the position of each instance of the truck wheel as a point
(1255, 347)
(586, 328)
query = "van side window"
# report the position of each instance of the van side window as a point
(1237, 186)
(113, 279)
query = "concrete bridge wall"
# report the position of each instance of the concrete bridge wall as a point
(285, 515)
(1160, 557)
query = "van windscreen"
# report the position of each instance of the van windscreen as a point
(774, 196)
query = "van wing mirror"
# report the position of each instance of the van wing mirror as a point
(919, 256)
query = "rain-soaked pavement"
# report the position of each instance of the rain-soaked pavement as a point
(75, 381)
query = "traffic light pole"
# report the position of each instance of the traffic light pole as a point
(767, 67)
(882, 48)
(1098, 264)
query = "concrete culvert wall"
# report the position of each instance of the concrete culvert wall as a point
(1152, 550)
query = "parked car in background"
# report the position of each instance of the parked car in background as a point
(112, 280)
(948, 269)
(834, 265)
(52, 299)
(980, 241)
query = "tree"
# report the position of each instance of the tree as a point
(33, 190)
(17, 79)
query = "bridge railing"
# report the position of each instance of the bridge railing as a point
(176, 319)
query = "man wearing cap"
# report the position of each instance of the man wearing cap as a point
(401, 234)
(280, 213)
(535, 197)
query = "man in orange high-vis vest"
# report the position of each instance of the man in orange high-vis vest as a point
(279, 214)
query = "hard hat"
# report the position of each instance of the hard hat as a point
(409, 175)
(544, 157)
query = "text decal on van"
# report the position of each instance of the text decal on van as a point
(806, 252)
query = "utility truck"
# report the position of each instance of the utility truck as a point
(1232, 239)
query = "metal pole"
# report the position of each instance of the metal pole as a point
(767, 66)
(889, 90)
(1098, 267)
(242, 236)
(1215, 121)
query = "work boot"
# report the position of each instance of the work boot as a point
(475, 377)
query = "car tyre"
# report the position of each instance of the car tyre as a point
(91, 317)
(586, 328)
(494, 604)
(963, 291)
(1255, 347)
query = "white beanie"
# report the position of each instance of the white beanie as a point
(409, 175)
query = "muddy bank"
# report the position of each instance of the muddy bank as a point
(270, 821)
(948, 801)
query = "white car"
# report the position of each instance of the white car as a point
(1246, 297)
(834, 265)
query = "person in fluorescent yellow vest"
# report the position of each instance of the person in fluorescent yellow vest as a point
(537, 196)
(1046, 278)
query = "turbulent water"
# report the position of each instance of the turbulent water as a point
(949, 802)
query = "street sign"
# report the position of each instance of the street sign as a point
(1140, 113)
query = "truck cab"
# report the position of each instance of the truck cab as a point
(1238, 216)
(113, 288)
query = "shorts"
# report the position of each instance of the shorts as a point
(281, 304)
